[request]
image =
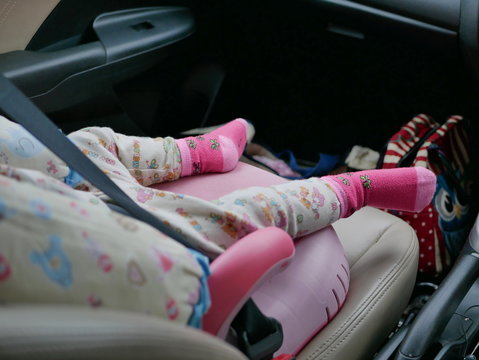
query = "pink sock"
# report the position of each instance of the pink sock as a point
(406, 189)
(217, 151)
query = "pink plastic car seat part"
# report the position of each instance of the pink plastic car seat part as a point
(236, 273)
(305, 296)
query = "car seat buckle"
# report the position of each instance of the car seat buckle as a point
(264, 348)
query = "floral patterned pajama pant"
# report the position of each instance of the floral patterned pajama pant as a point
(298, 207)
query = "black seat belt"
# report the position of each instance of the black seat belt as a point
(261, 333)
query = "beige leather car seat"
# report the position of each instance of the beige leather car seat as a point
(382, 251)
(20, 20)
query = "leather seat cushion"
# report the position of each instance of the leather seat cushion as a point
(382, 251)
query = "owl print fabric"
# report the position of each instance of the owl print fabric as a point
(443, 226)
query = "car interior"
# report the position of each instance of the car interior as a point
(314, 77)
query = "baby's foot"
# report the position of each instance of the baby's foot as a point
(406, 189)
(217, 151)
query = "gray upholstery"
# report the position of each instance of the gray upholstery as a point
(69, 333)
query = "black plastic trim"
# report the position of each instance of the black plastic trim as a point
(462, 328)
(370, 14)
(70, 20)
(128, 32)
(130, 41)
(98, 80)
(442, 13)
(38, 72)
(469, 34)
(435, 315)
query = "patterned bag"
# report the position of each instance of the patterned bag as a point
(443, 226)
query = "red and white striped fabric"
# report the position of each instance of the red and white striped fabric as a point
(406, 138)
(454, 144)
(418, 135)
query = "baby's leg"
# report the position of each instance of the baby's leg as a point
(147, 161)
(304, 206)
(217, 151)
(298, 207)
(407, 189)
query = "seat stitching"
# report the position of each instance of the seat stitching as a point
(6, 10)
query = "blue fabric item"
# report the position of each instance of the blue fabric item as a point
(73, 178)
(326, 163)
(204, 300)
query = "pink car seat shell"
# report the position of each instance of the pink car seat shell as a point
(306, 295)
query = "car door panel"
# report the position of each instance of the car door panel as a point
(129, 41)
